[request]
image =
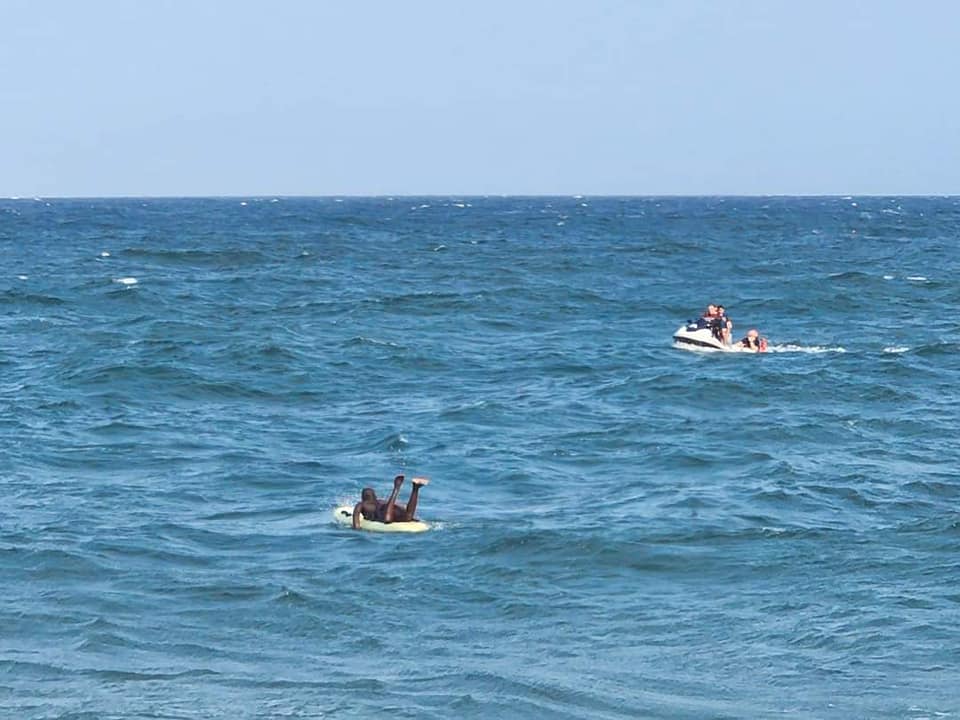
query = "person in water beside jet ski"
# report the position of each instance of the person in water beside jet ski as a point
(371, 507)
(754, 342)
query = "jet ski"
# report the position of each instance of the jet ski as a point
(694, 336)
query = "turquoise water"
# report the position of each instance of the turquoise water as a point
(623, 529)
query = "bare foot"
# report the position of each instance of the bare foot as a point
(420, 481)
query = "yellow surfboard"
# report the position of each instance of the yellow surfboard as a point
(343, 515)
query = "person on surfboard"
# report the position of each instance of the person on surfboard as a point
(371, 507)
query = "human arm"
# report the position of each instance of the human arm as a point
(356, 516)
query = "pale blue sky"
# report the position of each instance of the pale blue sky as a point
(362, 97)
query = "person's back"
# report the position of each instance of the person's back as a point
(369, 504)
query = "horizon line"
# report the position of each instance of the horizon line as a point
(391, 196)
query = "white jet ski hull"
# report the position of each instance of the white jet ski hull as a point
(690, 337)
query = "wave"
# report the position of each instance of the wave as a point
(14, 297)
(360, 340)
(196, 258)
(812, 349)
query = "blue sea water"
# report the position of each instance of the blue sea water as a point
(623, 529)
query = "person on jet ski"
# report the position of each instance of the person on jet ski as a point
(726, 325)
(711, 319)
(708, 318)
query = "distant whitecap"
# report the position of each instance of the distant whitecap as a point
(243, 203)
(104, 254)
(23, 277)
(126, 281)
(888, 277)
(896, 349)
(916, 278)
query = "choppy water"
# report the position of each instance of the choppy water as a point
(625, 529)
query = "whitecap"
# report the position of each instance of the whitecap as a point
(888, 277)
(896, 349)
(814, 349)
(23, 277)
(459, 205)
(561, 223)
(126, 281)
(104, 254)
(243, 203)
(916, 278)
(440, 247)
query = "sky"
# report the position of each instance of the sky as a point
(449, 97)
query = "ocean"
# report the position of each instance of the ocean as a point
(621, 528)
